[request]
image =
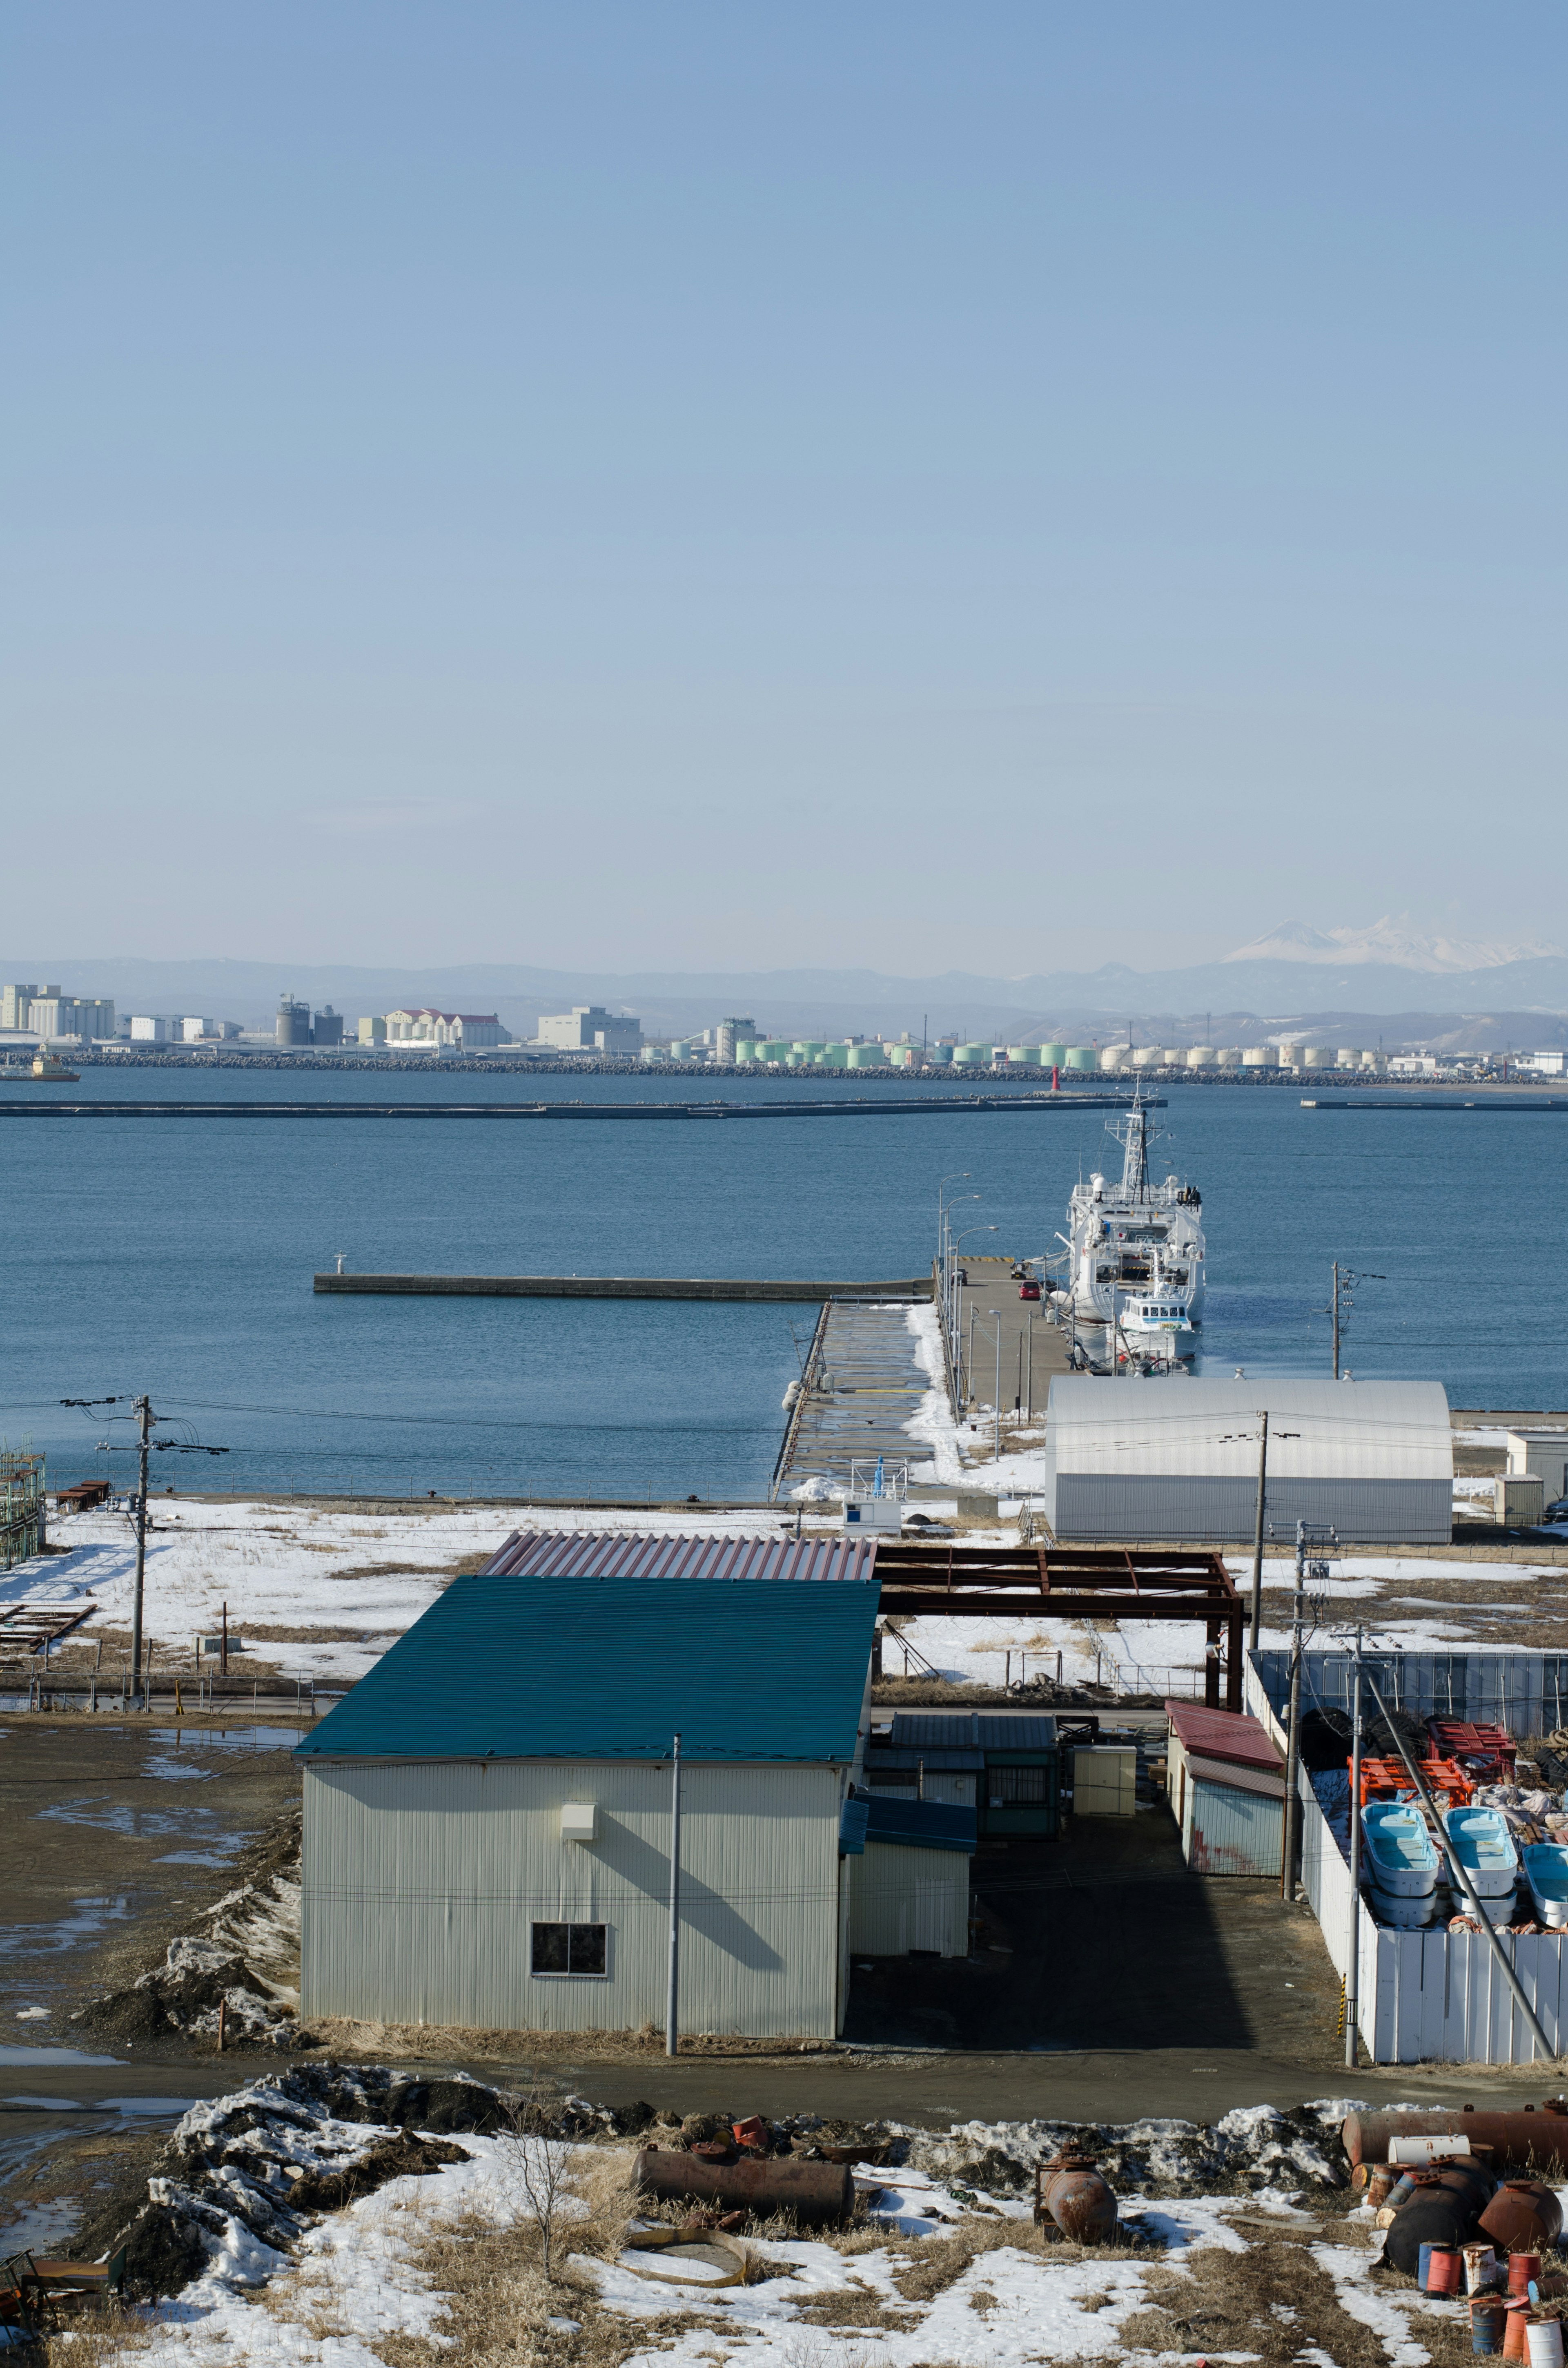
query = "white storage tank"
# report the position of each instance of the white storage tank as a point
(1173, 1057)
(1148, 1056)
(1378, 1061)
(1229, 1057)
(1260, 1056)
(1347, 1057)
(1115, 1056)
(1201, 1056)
(1317, 1056)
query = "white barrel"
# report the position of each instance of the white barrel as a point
(1545, 2340)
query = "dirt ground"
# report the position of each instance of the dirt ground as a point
(1109, 1982)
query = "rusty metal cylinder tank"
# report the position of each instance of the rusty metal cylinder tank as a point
(1444, 2208)
(1535, 2143)
(819, 2194)
(1071, 2191)
(1523, 2216)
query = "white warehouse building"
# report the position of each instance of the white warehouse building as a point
(1138, 1460)
(488, 1814)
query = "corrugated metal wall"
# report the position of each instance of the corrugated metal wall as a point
(1526, 1692)
(1203, 1508)
(1227, 1831)
(421, 1883)
(902, 1898)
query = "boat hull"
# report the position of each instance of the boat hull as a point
(1485, 1849)
(1402, 1857)
(1546, 1871)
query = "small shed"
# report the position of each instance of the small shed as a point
(488, 1813)
(1129, 1460)
(1226, 1787)
(910, 1888)
(1005, 1764)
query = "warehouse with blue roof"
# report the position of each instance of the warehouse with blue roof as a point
(488, 1820)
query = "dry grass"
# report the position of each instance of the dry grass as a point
(498, 2302)
(1229, 2302)
(441, 2044)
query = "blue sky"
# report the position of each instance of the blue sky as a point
(636, 486)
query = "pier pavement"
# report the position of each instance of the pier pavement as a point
(1031, 1347)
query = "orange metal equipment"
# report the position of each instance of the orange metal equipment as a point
(1389, 1778)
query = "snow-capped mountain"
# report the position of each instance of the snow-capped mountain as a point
(1394, 939)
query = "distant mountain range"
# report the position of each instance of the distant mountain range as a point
(1510, 997)
(1393, 940)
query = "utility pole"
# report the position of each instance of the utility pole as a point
(997, 1409)
(672, 2002)
(1353, 1965)
(1257, 1526)
(145, 1428)
(1336, 1308)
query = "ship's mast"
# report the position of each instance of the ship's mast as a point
(1135, 1152)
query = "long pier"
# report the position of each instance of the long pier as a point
(921, 1106)
(906, 1290)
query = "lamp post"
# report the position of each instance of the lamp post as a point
(958, 1244)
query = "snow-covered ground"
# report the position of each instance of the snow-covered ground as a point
(337, 2290)
(343, 1585)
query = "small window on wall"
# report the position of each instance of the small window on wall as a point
(569, 1948)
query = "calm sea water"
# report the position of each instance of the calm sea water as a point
(175, 1256)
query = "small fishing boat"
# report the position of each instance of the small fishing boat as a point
(1401, 1857)
(1546, 1871)
(1485, 1849)
(1406, 1915)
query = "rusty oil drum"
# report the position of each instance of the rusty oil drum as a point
(1523, 2216)
(819, 2194)
(1076, 2196)
(1533, 2143)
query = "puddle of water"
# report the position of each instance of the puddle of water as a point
(121, 1818)
(54, 2055)
(168, 2109)
(229, 1738)
(175, 1771)
(219, 1857)
(17, 1939)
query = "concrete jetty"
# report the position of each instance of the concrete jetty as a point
(787, 1289)
(866, 1386)
(988, 1304)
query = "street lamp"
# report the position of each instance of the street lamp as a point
(958, 1244)
(958, 1176)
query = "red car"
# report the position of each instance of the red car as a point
(1029, 1291)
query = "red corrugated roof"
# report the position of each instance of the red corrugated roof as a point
(1223, 1734)
(574, 1553)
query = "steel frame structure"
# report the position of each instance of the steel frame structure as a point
(1072, 1583)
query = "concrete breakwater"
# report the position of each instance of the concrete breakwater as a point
(922, 1106)
(618, 1286)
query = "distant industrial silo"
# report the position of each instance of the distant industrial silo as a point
(293, 1021)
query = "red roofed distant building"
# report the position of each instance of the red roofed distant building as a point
(464, 1030)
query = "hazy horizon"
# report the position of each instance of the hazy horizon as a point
(729, 490)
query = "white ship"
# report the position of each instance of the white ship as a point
(1135, 1273)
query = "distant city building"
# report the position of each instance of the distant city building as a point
(48, 1011)
(15, 1000)
(192, 1031)
(458, 1031)
(293, 1021)
(589, 1028)
(53, 1014)
(147, 1029)
(729, 1033)
(327, 1025)
(372, 1031)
